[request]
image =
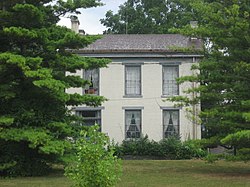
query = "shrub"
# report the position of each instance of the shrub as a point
(170, 148)
(211, 158)
(242, 155)
(134, 147)
(190, 149)
(95, 164)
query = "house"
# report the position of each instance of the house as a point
(141, 76)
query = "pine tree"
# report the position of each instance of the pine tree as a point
(34, 120)
(224, 76)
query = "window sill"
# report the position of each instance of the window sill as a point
(132, 96)
(129, 139)
(168, 96)
(91, 91)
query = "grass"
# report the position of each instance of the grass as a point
(162, 173)
(185, 173)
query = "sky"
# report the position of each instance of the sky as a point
(89, 18)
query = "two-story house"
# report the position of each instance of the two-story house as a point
(141, 76)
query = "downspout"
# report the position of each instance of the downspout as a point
(194, 110)
(194, 25)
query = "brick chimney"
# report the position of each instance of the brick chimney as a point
(74, 24)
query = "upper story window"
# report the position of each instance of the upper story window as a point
(92, 75)
(170, 86)
(132, 80)
(133, 124)
(170, 123)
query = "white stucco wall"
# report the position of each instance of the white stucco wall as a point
(112, 87)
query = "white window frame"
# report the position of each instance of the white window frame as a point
(97, 119)
(96, 89)
(137, 91)
(136, 123)
(170, 87)
(175, 123)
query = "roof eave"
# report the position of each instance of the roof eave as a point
(88, 51)
(113, 53)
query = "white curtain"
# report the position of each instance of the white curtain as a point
(170, 122)
(170, 73)
(133, 80)
(94, 74)
(133, 123)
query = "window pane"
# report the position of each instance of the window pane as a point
(92, 75)
(90, 117)
(133, 80)
(133, 124)
(89, 122)
(170, 86)
(170, 123)
(89, 114)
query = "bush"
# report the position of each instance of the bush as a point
(242, 155)
(138, 147)
(190, 149)
(170, 148)
(211, 158)
(95, 164)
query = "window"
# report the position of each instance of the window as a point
(133, 124)
(92, 75)
(170, 123)
(90, 117)
(170, 86)
(133, 80)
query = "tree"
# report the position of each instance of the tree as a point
(224, 73)
(148, 17)
(94, 162)
(34, 120)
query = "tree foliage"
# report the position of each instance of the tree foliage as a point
(224, 73)
(34, 119)
(148, 16)
(94, 162)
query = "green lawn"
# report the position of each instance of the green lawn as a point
(148, 173)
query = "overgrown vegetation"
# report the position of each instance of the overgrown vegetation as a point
(94, 163)
(171, 148)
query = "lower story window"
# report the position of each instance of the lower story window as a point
(133, 124)
(90, 117)
(170, 123)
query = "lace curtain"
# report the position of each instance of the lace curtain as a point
(170, 73)
(133, 80)
(92, 75)
(133, 124)
(170, 123)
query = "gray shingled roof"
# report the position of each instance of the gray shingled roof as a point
(142, 42)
